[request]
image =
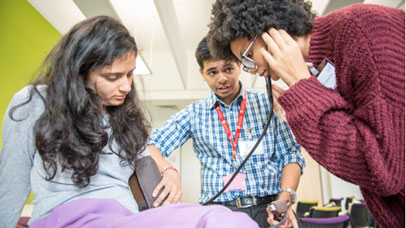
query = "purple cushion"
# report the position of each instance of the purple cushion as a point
(333, 220)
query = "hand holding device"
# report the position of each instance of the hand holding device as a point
(282, 212)
(277, 108)
(168, 190)
(279, 208)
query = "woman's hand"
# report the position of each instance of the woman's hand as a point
(284, 56)
(277, 108)
(171, 188)
(290, 222)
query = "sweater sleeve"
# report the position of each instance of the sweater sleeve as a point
(16, 159)
(357, 131)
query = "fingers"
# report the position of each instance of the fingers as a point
(274, 222)
(273, 46)
(271, 221)
(295, 224)
(286, 37)
(277, 89)
(292, 218)
(290, 222)
(270, 214)
(158, 188)
(270, 218)
(278, 37)
(161, 197)
(276, 94)
(268, 57)
(171, 190)
(173, 197)
(277, 108)
(284, 57)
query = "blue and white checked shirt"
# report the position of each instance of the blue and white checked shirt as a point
(200, 122)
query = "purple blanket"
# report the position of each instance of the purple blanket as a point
(109, 213)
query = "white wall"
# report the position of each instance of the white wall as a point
(184, 158)
(334, 187)
(190, 167)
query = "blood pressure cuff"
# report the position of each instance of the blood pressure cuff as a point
(143, 182)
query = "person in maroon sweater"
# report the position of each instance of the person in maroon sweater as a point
(355, 128)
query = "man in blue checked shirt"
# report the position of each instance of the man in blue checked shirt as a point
(224, 127)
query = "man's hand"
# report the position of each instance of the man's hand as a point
(172, 190)
(284, 57)
(277, 108)
(290, 222)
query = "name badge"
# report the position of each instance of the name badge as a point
(238, 184)
(246, 147)
(327, 74)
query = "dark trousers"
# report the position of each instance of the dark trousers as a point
(254, 206)
(258, 213)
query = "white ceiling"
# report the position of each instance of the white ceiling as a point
(167, 33)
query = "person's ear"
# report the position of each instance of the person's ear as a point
(201, 74)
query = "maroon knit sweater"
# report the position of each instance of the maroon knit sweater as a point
(357, 131)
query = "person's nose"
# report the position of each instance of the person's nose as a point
(125, 84)
(223, 78)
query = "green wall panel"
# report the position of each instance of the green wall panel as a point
(25, 40)
(26, 37)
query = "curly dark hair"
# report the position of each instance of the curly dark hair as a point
(232, 19)
(71, 132)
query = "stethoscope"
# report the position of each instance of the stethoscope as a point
(270, 98)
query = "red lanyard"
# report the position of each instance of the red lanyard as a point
(239, 125)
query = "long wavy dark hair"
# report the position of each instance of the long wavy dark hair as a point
(71, 131)
(232, 19)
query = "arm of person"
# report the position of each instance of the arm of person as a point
(291, 162)
(290, 180)
(16, 159)
(170, 180)
(163, 141)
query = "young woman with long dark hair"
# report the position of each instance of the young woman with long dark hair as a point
(74, 135)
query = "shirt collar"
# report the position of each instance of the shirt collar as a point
(213, 97)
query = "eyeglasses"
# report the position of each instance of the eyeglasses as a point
(248, 63)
